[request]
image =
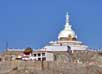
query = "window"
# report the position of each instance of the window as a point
(43, 54)
(34, 55)
(39, 54)
(39, 59)
(44, 59)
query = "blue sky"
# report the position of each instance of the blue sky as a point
(33, 23)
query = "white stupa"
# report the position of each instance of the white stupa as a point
(67, 39)
(67, 32)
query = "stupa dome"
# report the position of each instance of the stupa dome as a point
(67, 33)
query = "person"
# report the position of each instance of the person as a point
(69, 49)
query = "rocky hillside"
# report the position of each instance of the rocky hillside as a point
(48, 68)
(83, 62)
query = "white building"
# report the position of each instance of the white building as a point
(67, 39)
(39, 56)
